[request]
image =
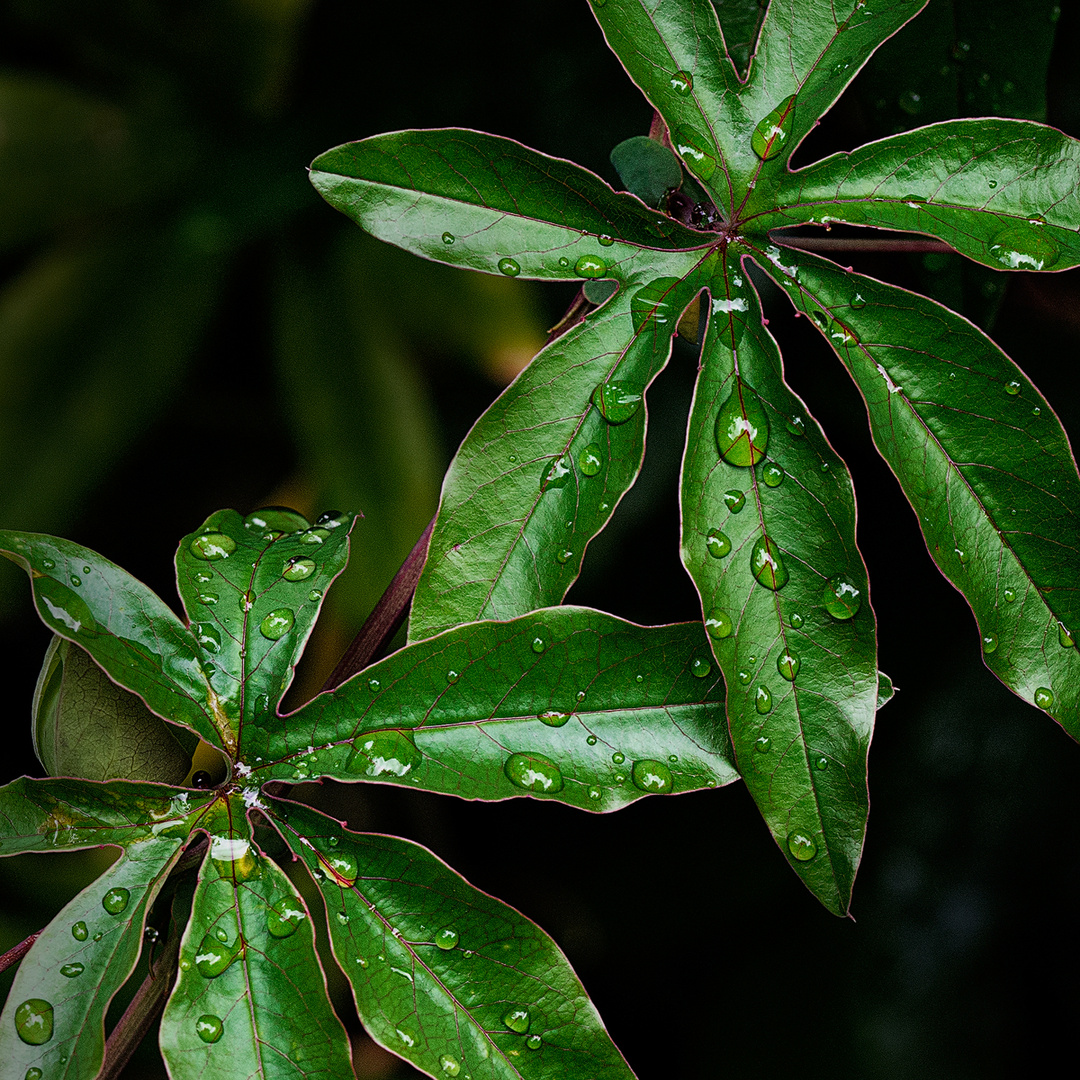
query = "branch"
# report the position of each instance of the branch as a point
(17, 952)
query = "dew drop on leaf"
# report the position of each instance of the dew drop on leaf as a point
(1009, 594)
(557, 474)
(772, 132)
(961, 555)
(651, 776)
(516, 1018)
(75, 580)
(212, 546)
(795, 620)
(1012, 388)
(447, 938)
(617, 403)
(33, 1073)
(534, 1042)
(533, 772)
(788, 664)
(71, 971)
(589, 460)
(772, 474)
(284, 917)
(742, 429)
(315, 595)
(796, 425)
(605, 240)
(717, 544)
(1065, 638)
(595, 793)
(695, 150)
(802, 846)
(509, 267)
(214, 957)
(655, 301)
(34, 1021)
(682, 82)
(744, 676)
(59, 604)
(449, 1065)
(1021, 249)
(762, 744)
(277, 624)
(540, 642)
(842, 598)
(989, 643)
(79, 931)
(1044, 697)
(821, 764)
(564, 555)
(207, 598)
(452, 676)
(591, 740)
(763, 700)
(553, 718)
(858, 301)
(298, 568)
(734, 501)
(209, 1028)
(590, 266)
(389, 752)
(618, 758)
(115, 900)
(448, 238)
(719, 625)
(700, 667)
(767, 565)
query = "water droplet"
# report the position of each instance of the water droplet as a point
(772, 474)
(564, 555)
(98, 936)
(71, 971)
(1044, 697)
(618, 758)
(79, 931)
(796, 620)
(516, 1018)
(61, 605)
(767, 565)
(762, 744)
(1021, 249)
(388, 752)
(509, 267)
(115, 900)
(763, 700)
(589, 460)
(841, 597)
(590, 266)
(655, 301)
(1009, 594)
(717, 544)
(605, 240)
(617, 403)
(788, 664)
(211, 546)
(540, 642)
(842, 335)
(557, 474)
(744, 676)
(989, 642)
(404, 1034)
(533, 772)
(297, 568)
(591, 740)
(447, 938)
(1036, 411)
(553, 718)
(581, 695)
(821, 764)
(449, 1064)
(209, 1028)
(75, 580)
(742, 429)
(719, 625)
(315, 595)
(682, 82)
(277, 624)
(802, 846)
(700, 667)
(796, 425)
(1012, 388)
(820, 318)
(533, 1042)
(695, 150)
(208, 636)
(564, 263)
(652, 776)
(34, 1021)
(33, 1073)
(374, 685)
(448, 237)
(594, 792)
(215, 955)
(314, 536)
(1065, 639)
(961, 555)
(734, 501)
(342, 918)
(772, 132)
(452, 676)
(284, 917)
(207, 598)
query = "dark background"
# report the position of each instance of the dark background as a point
(185, 326)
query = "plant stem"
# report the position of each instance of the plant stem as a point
(17, 952)
(852, 243)
(388, 615)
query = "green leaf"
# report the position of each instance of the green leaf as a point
(647, 168)
(54, 1018)
(568, 704)
(253, 588)
(444, 975)
(740, 21)
(475, 200)
(250, 998)
(1002, 192)
(982, 459)
(768, 530)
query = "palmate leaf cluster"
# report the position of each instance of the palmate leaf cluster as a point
(500, 690)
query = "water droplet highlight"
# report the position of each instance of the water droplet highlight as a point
(767, 565)
(655, 301)
(509, 267)
(452, 676)
(209, 1028)
(553, 718)
(695, 150)
(772, 474)
(34, 1021)
(717, 544)
(841, 597)
(449, 1064)
(212, 546)
(700, 667)
(1012, 388)
(72, 971)
(389, 752)
(564, 555)
(617, 403)
(447, 938)
(1009, 594)
(762, 744)
(651, 776)
(590, 266)
(742, 429)
(719, 625)
(802, 846)
(682, 82)
(1065, 638)
(448, 237)
(734, 501)
(277, 624)
(533, 772)
(557, 474)
(989, 643)
(772, 132)
(79, 931)
(215, 955)
(1044, 697)
(796, 425)
(589, 460)
(516, 1018)
(298, 568)
(115, 900)
(763, 700)
(788, 664)
(284, 917)
(534, 1042)
(1020, 249)
(795, 621)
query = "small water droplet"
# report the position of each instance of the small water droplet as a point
(594, 792)
(533, 1042)
(516, 1018)
(616, 402)
(284, 917)
(564, 555)
(343, 918)
(682, 82)
(509, 267)
(1044, 697)
(961, 555)
(48, 564)
(1036, 411)
(71, 971)
(772, 132)
(315, 595)
(1065, 638)
(788, 664)
(581, 695)
(767, 565)
(1009, 594)
(298, 568)
(989, 642)
(858, 301)
(533, 772)
(449, 1064)
(742, 429)
(591, 740)
(388, 752)
(79, 931)
(207, 598)
(802, 846)
(763, 700)
(618, 758)
(553, 718)
(374, 685)
(1012, 388)
(734, 501)
(605, 240)
(744, 676)
(209, 1028)
(772, 474)
(656, 302)
(98, 936)
(822, 763)
(841, 597)
(719, 625)
(795, 620)
(277, 624)
(452, 676)
(1021, 249)
(796, 425)
(115, 900)
(762, 744)
(590, 266)
(33, 1073)
(212, 546)
(651, 776)
(700, 667)
(447, 938)
(695, 150)
(717, 544)
(314, 536)
(34, 1021)
(448, 237)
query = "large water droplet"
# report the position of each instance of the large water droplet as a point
(388, 752)
(516, 1018)
(772, 474)
(717, 544)
(1012, 388)
(208, 636)
(209, 1028)
(277, 624)
(767, 565)
(533, 772)
(1023, 249)
(801, 845)
(79, 931)
(771, 133)
(34, 1021)
(682, 82)
(719, 625)
(509, 267)
(116, 900)
(763, 700)
(788, 664)
(1009, 594)
(590, 461)
(841, 335)
(557, 474)
(449, 1064)
(742, 429)
(655, 301)
(762, 744)
(652, 776)
(72, 971)
(62, 605)
(734, 501)
(796, 620)
(617, 403)
(447, 938)
(590, 266)
(553, 718)
(298, 568)
(33, 1073)
(842, 597)
(1044, 697)
(211, 546)
(284, 917)
(215, 956)
(695, 150)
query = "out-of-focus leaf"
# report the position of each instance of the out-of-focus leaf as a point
(648, 169)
